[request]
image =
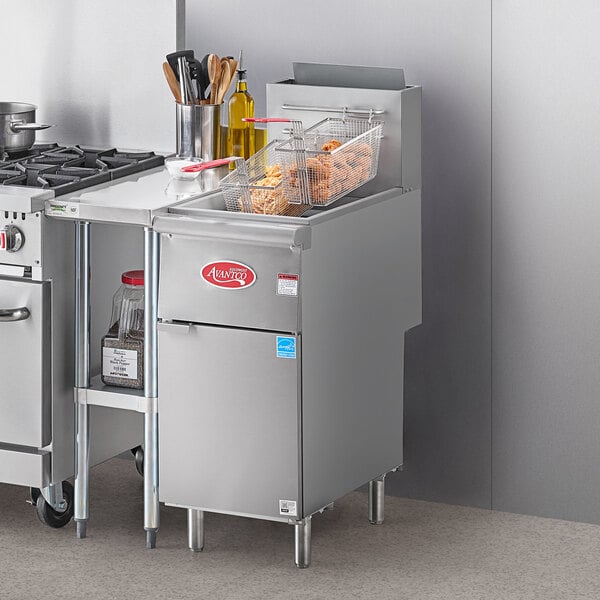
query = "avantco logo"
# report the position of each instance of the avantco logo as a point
(228, 274)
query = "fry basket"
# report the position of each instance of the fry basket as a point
(328, 160)
(255, 186)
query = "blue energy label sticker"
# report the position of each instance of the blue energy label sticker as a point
(286, 347)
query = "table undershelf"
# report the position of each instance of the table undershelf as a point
(99, 394)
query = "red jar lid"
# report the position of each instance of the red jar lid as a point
(133, 277)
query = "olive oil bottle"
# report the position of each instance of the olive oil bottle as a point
(240, 135)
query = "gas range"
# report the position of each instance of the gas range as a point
(37, 308)
(65, 169)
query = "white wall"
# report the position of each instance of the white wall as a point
(445, 47)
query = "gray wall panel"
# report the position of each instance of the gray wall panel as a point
(546, 258)
(445, 47)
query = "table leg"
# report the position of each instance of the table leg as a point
(82, 375)
(151, 505)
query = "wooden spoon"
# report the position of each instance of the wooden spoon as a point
(214, 72)
(224, 81)
(172, 81)
(233, 65)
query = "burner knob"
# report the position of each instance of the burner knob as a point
(11, 239)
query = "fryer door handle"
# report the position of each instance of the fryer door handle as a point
(14, 314)
(174, 327)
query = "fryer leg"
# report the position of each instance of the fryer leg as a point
(376, 500)
(195, 521)
(302, 542)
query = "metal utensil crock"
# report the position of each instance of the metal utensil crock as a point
(198, 130)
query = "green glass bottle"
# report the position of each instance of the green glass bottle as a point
(240, 135)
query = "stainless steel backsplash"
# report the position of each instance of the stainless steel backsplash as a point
(93, 69)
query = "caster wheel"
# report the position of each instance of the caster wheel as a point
(51, 517)
(139, 460)
(34, 494)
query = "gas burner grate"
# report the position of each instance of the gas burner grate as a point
(70, 168)
(59, 159)
(52, 147)
(38, 167)
(12, 178)
(33, 152)
(136, 156)
(52, 180)
(77, 171)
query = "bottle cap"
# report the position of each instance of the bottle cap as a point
(133, 278)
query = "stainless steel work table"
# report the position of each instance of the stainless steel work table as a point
(133, 200)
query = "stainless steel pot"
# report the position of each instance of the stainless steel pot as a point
(18, 126)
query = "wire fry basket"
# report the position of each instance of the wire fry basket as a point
(255, 186)
(329, 160)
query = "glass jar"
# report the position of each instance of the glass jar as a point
(123, 345)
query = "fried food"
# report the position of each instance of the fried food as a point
(268, 197)
(333, 174)
(331, 145)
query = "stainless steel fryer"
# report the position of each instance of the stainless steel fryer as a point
(281, 341)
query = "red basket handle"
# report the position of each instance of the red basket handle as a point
(264, 120)
(211, 164)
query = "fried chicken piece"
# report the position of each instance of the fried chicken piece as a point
(331, 145)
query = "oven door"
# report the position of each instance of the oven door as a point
(25, 362)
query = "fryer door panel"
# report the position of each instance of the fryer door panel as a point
(25, 377)
(228, 420)
(186, 296)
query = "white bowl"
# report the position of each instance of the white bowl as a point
(174, 165)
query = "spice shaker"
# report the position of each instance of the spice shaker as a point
(123, 345)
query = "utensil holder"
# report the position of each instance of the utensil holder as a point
(198, 130)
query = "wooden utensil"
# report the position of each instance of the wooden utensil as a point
(214, 71)
(224, 81)
(172, 81)
(233, 65)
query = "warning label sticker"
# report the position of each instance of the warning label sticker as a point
(287, 284)
(287, 508)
